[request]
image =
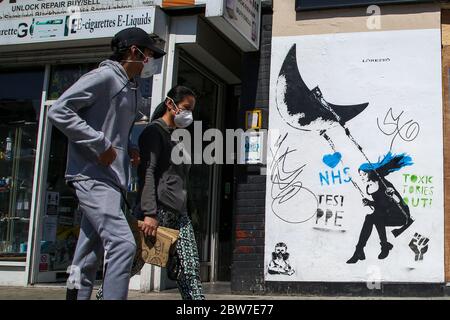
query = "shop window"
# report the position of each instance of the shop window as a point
(20, 98)
(63, 76)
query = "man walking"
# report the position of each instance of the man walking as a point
(97, 114)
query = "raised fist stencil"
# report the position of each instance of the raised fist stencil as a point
(419, 245)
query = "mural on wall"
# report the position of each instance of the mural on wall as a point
(280, 261)
(355, 167)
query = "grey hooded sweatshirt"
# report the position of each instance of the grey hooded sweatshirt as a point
(97, 112)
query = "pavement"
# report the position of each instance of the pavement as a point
(216, 291)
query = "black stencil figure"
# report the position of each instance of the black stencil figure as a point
(419, 245)
(389, 209)
(280, 261)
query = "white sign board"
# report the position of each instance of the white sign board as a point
(10, 9)
(88, 25)
(355, 173)
(239, 20)
(252, 149)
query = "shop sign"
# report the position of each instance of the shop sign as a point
(11, 9)
(301, 5)
(253, 148)
(239, 20)
(78, 26)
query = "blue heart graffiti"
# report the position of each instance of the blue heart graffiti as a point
(332, 160)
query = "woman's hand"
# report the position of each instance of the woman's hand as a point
(150, 226)
(366, 202)
(135, 157)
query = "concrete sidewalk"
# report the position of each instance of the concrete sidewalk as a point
(212, 292)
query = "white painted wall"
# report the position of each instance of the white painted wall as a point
(408, 80)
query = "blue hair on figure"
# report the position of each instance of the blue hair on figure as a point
(390, 163)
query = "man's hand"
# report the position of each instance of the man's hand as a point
(135, 158)
(150, 226)
(107, 157)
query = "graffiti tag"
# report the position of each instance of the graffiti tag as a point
(286, 186)
(391, 126)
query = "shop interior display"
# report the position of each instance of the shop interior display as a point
(17, 157)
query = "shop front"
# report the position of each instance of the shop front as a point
(39, 213)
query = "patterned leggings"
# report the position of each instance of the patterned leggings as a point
(189, 282)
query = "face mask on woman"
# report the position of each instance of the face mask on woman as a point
(184, 118)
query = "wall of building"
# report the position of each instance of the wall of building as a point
(446, 98)
(249, 269)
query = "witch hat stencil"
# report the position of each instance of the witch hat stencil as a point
(306, 109)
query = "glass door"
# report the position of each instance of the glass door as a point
(18, 145)
(203, 178)
(20, 98)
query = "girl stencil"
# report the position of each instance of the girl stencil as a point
(389, 209)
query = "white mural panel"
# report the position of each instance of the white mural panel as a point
(355, 165)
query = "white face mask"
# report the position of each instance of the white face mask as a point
(149, 69)
(150, 66)
(184, 118)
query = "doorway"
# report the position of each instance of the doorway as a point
(210, 185)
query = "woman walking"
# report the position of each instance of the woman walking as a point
(163, 185)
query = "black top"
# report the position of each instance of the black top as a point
(161, 182)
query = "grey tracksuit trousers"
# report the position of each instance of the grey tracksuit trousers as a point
(104, 231)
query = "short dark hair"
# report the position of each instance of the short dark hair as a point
(177, 94)
(120, 54)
